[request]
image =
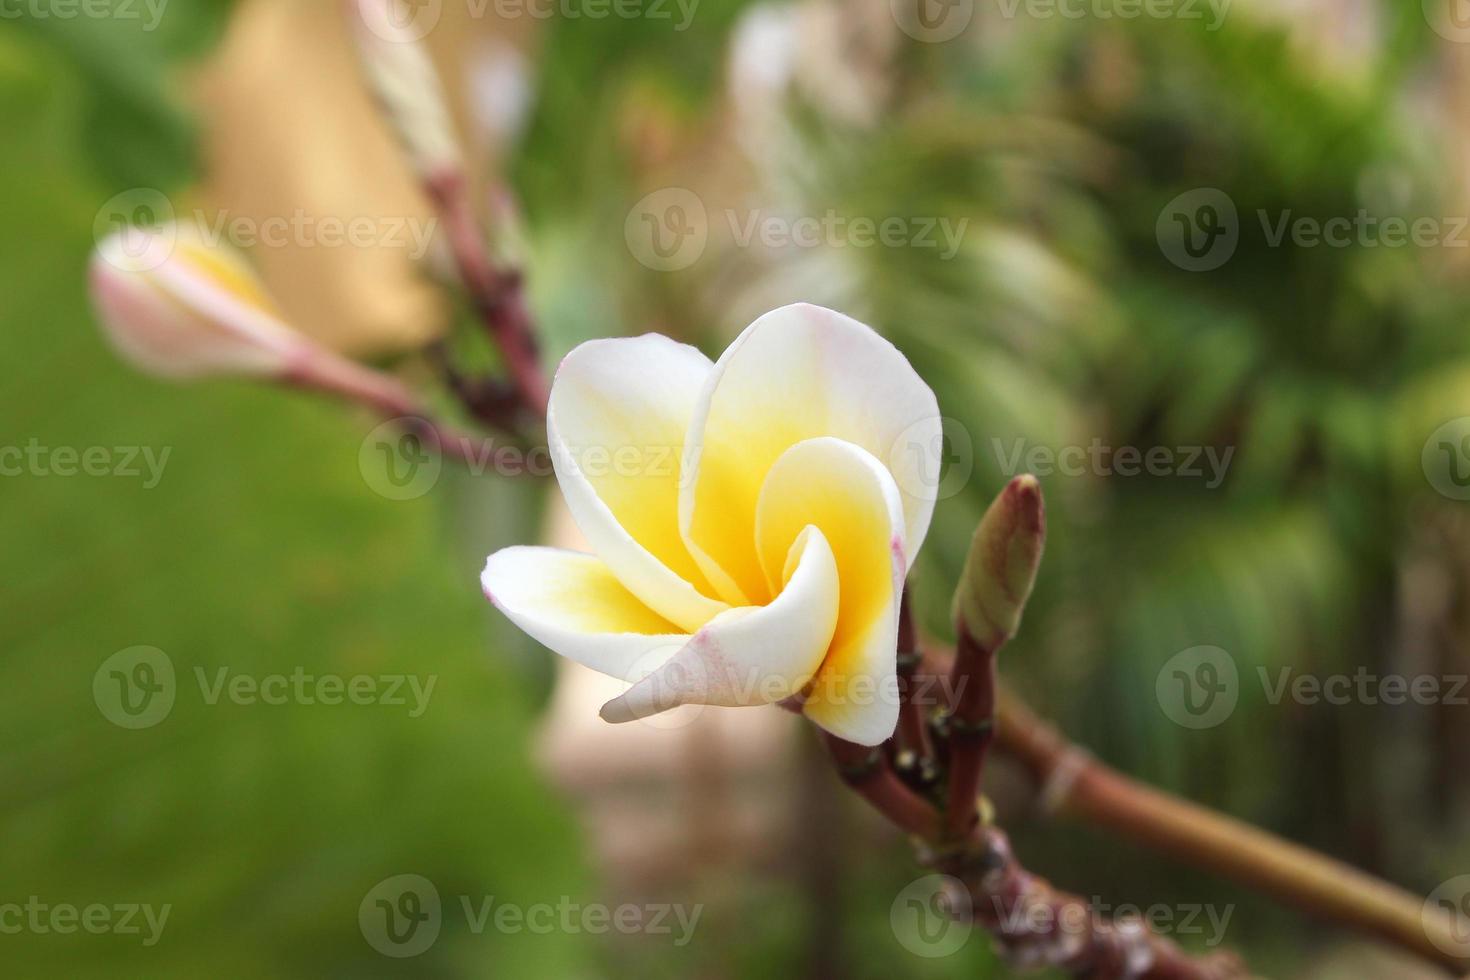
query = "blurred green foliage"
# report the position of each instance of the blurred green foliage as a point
(261, 550)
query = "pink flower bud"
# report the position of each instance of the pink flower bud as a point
(1001, 567)
(173, 305)
(176, 305)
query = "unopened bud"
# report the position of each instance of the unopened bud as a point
(407, 85)
(176, 305)
(173, 305)
(1001, 567)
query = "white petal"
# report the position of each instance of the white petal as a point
(572, 603)
(798, 373)
(754, 654)
(616, 426)
(851, 497)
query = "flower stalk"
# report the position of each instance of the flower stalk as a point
(868, 772)
(404, 80)
(381, 394)
(914, 757)
(498, 296)
(999, 573)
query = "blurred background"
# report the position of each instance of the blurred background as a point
(1101, 225)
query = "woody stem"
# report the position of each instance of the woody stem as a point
(498, 296)
(971, 726)
(916, 751)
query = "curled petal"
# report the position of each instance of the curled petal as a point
(572, 603)
(616, 425)
(800, 372)
(753, 654)
(852, 498)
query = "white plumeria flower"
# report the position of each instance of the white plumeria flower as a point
(753, 520)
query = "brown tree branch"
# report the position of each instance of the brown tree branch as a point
(1073, 783)
(1036, 925)
(1077, 785)
(498, 296)
(386, 396)
(869, 774)
(970, 727)
(915, 755)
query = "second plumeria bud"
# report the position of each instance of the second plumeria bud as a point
(404, 79)
(1001, 566)
(177, 305)
(174, 305)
